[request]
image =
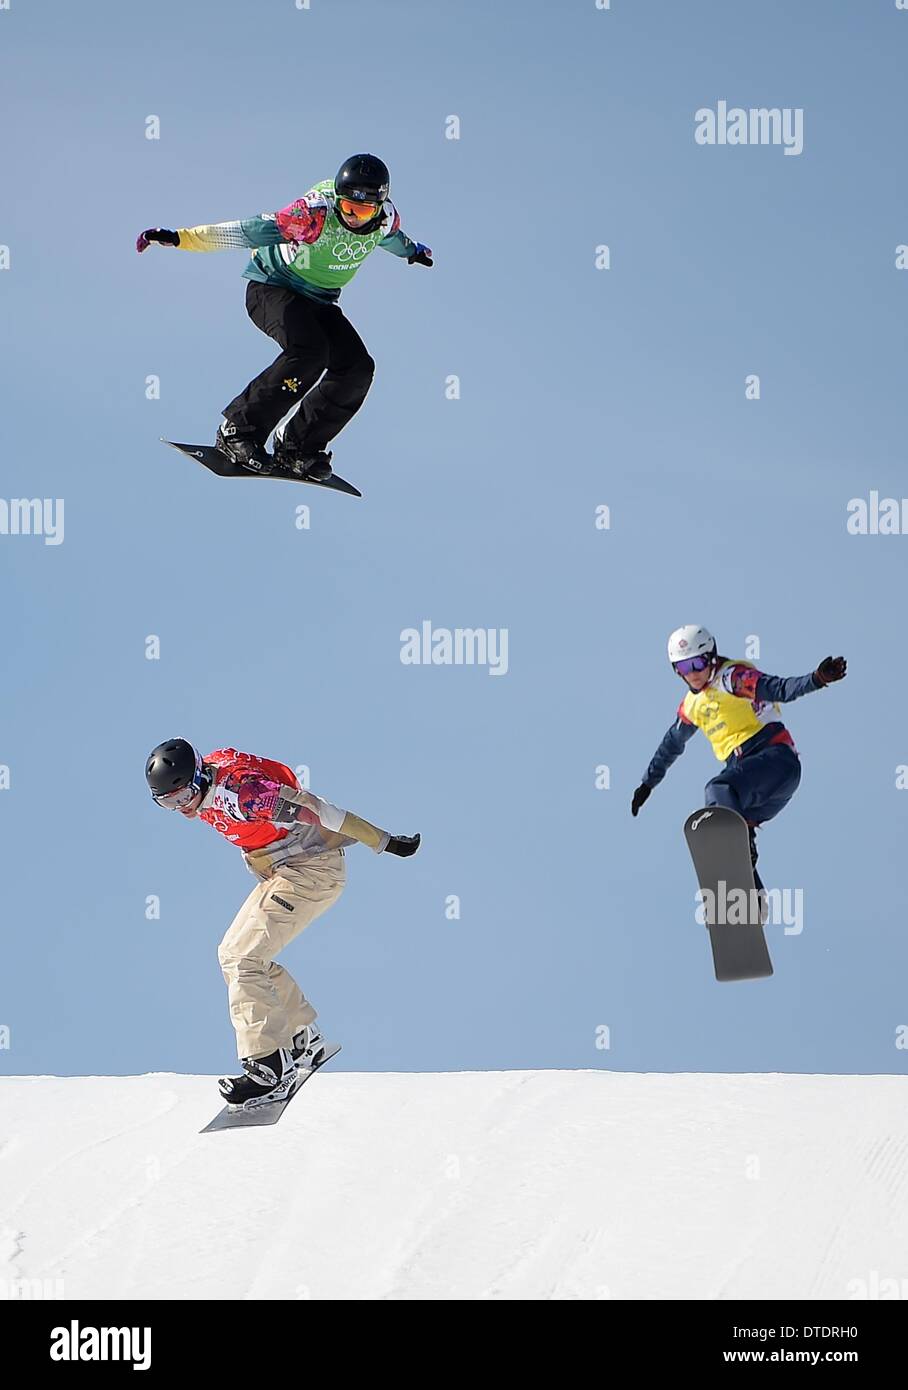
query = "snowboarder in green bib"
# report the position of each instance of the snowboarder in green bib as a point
(302, 257)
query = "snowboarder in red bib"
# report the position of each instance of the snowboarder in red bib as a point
(302, 257)
(737, 707)
(294, 843)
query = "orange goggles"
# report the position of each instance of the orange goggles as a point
(362, 212)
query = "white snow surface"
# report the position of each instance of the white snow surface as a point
(471, 1185)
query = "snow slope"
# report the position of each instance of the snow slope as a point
(507, 1185)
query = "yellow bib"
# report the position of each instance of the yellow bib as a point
(727, 719)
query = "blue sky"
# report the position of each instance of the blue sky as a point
(579, 388)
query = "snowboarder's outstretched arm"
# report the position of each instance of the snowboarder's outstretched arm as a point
(215, 236)
(673, 744)
(292, 805)
(231, 236)
(398, 243)
(248, 789)
(301, 220)
(751, 684)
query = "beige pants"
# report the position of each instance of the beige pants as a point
(267, 1006)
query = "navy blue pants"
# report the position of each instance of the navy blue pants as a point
(759, 786)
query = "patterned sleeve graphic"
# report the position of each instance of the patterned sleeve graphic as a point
(302, 220)
(741, 681)
(257, 796)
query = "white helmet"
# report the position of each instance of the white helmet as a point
(690, 641)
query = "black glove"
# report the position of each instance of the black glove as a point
(640, 795)
(404, 845)
(421, 256)
(159, 235)
(831, 668)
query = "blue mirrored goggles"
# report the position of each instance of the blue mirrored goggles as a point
(692, 663)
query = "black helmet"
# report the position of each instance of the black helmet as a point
(363, 178)
(172, 766)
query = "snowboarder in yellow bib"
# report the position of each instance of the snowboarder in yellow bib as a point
(302, 258)
(737, 707)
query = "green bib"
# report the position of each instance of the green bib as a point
(334, 259)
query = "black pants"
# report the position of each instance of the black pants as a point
(316, 339)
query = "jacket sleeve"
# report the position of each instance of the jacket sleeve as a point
(232, 236)
(757, 685)
(399, 244)
(395, 239)
(297, 805)
(673, 744)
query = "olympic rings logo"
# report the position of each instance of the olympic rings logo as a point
(343, 251)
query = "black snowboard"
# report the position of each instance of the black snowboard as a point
(219, 463)
(720, 848)
(271, 1111)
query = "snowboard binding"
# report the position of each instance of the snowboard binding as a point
(219, 461)
(242, 448)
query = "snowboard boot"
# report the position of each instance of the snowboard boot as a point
(302, 463)
(264, 1079)
(243, 447)
(307, 1046)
